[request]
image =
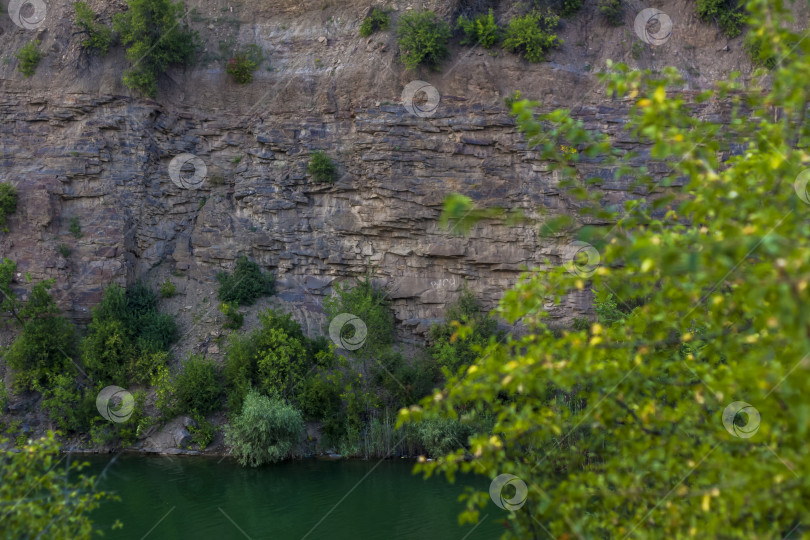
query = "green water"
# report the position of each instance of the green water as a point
(199, 498)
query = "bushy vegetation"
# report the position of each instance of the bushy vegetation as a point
(47, 342)
(650, 394)
(423, 38)
(466, 331)
(322, 168)
(612, 11)
(729, 15)
(234, 317)
(75, 227)
(265, 431)
(8, 203)
(531, 35)
(197, 386)
(155, 39)
(247, 283)
(29, 56)
(127, 337)
(481, 30)
(371, 305)
(376, 21)
(168, 288)
(274, 358)
(39, 497)
(566, 8)
(243, 63)
(97, 37)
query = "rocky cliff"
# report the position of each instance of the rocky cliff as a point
(82, 148)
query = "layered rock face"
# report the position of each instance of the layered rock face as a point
(82, 149)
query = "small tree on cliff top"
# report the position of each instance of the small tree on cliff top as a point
(689, 416)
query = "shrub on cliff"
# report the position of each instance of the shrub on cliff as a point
(273, 358)
(322, 168)
(423, 38)
(127, 337)
(266, 431)
(466, 330)
(481, 30)
(155, 39)
(243, 63)
(376, 21)
(729, 15)
(531, 35)
(47, 342)
(370, 305)
(29, 56)
(8, 203)
(97, 36)
(612, 11)
(246, 284)
(197, 386)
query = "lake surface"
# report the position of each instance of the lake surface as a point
(182, 497)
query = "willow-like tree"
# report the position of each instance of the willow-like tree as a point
(629, 428)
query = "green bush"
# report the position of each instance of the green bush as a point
(612, 11)
(108, 351)
(197, 388)
(155, 39)
(273, 357)
(63, 250)
(402, 383)
(318, 397)
(75, 227)
(146, 365)
(234, 316)
(566, 8)
(8, 203)
(376, 21)
(453, 348)
(729, 15)
(46, 344)
(127, 337)
(243, 63)
(266, 431)
(322, 168)
(282, 362)
(246, 284)
(423, 38)
(531, 35)
(168, 289)
(371, 305)
(97, 36)
(203, 432)
(156, 331)
(66, 404)
(481, 30)
(29, 56)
